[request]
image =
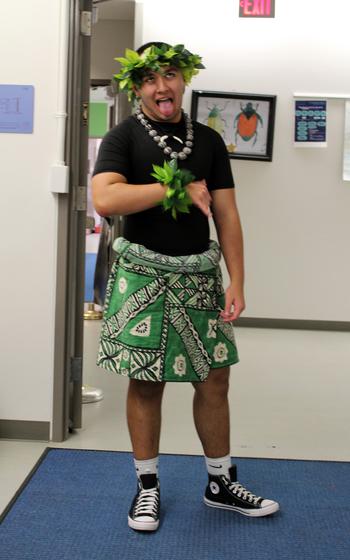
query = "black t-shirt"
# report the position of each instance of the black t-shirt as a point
(129, 150)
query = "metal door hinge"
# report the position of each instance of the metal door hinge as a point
(85, 23)
(80, 198)
(85, 113)
(76, 369)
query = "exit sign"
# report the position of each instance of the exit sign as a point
(257, 8)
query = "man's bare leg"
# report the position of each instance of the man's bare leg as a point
(144, 420)
(212, 420)
(144, 403)
(211, 413)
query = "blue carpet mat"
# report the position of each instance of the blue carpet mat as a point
(75, 506)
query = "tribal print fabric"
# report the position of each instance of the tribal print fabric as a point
(162, 316)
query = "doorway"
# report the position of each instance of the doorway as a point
(91, 90)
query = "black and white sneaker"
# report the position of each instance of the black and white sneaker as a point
(226, 493)
(144, 511)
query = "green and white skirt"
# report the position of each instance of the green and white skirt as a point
(162, 316)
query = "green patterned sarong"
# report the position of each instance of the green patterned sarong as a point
(162, 316)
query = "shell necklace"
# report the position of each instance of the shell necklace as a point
(160, 140)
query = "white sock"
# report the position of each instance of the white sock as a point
(219, 465)
(148, 466)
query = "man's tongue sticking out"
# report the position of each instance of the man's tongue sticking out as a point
(166, 107)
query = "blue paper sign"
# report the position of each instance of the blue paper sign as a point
(310, 122)
(16, 108)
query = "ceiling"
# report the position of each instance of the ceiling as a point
(115, 9)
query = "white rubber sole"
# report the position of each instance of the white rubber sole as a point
(267, 510)
(143, 525)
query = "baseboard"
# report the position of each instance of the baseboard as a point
(264, 323)
(24, 429)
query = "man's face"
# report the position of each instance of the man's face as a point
(161, 94)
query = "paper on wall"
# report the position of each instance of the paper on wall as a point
(310, 124)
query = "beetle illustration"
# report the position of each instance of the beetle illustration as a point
(215, 120)
(246, 123)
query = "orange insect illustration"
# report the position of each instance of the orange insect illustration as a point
(246, 123)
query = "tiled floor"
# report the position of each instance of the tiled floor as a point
(289, 399)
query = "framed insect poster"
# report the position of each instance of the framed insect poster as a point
(245, 121)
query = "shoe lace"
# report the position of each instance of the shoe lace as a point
(147, 502)
(238, 490)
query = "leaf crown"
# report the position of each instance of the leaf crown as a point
(135, 65)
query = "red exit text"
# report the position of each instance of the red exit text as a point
(257, 8)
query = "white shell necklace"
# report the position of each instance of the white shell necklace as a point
(160, 140)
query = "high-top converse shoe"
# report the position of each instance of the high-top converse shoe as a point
(144, 511)
(226, 493)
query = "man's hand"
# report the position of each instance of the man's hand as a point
(234, 304)
(200, 196)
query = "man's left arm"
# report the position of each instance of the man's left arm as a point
(229, 231)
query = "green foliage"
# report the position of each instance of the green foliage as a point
(176, 198)
(134, 65)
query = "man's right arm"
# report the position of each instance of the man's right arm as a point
(112, 195)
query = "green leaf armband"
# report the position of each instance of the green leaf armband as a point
(176, 180)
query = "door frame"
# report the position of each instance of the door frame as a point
(71, 225)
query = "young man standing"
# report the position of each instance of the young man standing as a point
(167, 317)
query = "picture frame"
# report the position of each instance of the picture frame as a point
(245, 121)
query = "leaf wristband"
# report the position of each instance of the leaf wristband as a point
(176, 180)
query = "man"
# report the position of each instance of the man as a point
(167, 317)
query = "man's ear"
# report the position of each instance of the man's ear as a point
(136, 91)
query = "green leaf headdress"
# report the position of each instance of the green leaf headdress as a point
(135, 65)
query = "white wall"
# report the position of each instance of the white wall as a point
(29, 43)
(295, 211)
(109, 40)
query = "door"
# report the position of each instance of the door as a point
(69, 327)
